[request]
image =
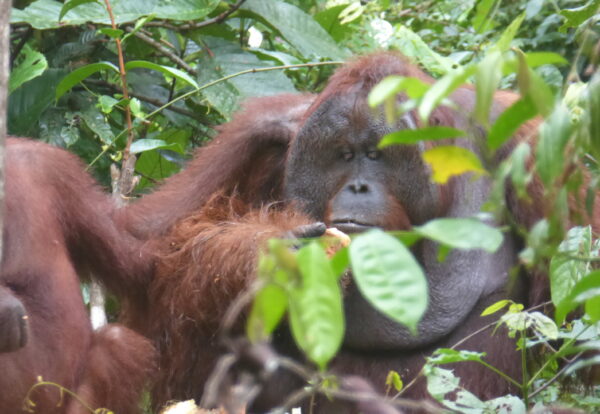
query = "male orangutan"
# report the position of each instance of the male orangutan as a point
(288, 161)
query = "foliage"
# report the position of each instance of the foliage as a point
(183, 76)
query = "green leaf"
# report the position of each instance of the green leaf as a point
(107, 103)
(543, 326)
(535, 59)
(448, 356)
(441, 382)
(29, 102)
(271, 301)
(110, 32)
(443, 88)
(390, 86)
(155, 165)
(503, 44)
(95, 120)
(566, 271)
(389, 277)
(519, 173)
(165, 70)
(532, 85)
(487, 78)
(393, 380)
(506, 404)
(510, 121)
(447, 161)
(554, 135)
(413, 136)
(329, 20)
(412, 46)
(138, 25)
(588, 288)
(462, 233)
(593, 106)
(71, 4)
(483, 19)
(144, 144)
(44, 14)
(575, 17)
(496, 307)
(315, 308)
(30, 66)
(297, 27)
(340, 262)
(81, 74)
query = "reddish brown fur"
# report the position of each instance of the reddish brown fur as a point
(202, 266)
(57, 222)
(210, 256)
(203, 229)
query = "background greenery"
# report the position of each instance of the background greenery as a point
(183, 63)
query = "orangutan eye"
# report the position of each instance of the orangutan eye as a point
(373, 154)
(347, 155)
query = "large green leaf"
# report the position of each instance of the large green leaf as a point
(297, 27)
(462, 233)
(315, 308)
(389, 277)
(81, 74)
(27, 103)
(71, 4)
(32, 65)
(44, 14)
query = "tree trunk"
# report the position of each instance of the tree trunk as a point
(4, 66)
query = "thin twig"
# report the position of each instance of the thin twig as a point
(163, 50)
(123, 75)
(243, 72)
(554, 378)
(197, 25)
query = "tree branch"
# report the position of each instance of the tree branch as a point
(163, 50)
